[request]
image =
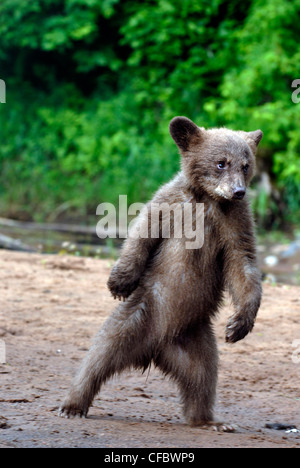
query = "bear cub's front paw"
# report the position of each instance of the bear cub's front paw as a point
(238, 327)
(120, 285)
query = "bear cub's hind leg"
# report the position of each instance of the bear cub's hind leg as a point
(122, 343)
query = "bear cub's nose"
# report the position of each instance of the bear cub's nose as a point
(239, 193)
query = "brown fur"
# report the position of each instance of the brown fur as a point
(172, 294)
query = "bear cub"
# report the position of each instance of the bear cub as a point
(171, 294)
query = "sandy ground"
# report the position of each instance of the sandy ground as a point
(50, 309)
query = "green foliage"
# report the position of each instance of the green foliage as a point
(93, 84)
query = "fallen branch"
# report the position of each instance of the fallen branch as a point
(47, 227)
(65, 228)
(14, 244)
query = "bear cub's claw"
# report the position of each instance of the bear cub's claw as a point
(70, 411)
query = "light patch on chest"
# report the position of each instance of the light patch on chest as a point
(249, 270)
(157, 291)
(210, 210)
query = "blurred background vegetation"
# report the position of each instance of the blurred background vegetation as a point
(93, 84)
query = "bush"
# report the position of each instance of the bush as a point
(91, 91)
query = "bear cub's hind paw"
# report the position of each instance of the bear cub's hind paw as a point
(71, 410)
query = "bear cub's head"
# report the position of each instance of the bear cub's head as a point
(219, 161)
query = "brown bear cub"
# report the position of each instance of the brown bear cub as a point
(172, 293)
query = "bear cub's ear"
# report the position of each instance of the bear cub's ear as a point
(184, 132)
(255, 137)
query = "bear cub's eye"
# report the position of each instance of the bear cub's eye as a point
(245, 168)
(221, 164)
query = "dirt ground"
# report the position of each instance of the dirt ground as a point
(50, 309)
